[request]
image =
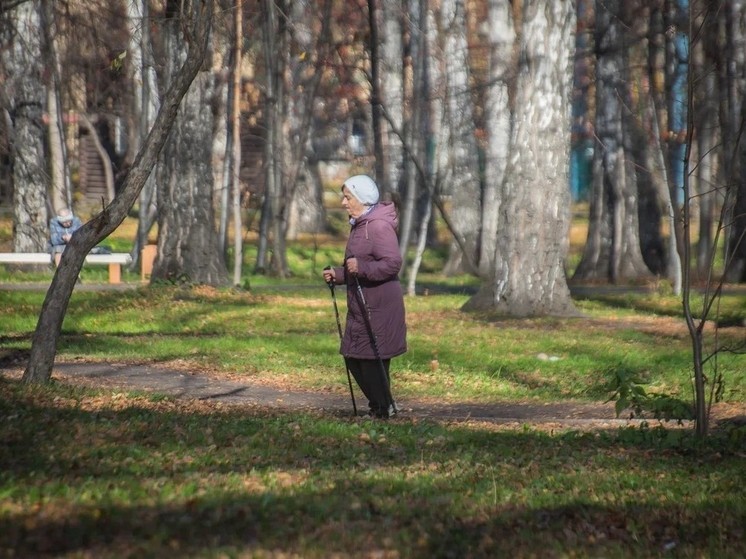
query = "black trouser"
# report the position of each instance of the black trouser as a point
(367, 373)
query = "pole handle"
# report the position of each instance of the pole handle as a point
(330, 283)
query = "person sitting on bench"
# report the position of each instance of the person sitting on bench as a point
(61, 229)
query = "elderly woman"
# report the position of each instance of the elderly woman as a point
(376, 329)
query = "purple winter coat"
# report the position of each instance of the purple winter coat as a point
(373, 241)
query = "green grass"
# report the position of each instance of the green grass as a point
(116, 474)
(292, 334)
(109, 473)
(94, 473)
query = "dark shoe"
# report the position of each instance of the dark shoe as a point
(384, 413)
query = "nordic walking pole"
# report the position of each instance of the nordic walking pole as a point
(373, 341)
(330, 283)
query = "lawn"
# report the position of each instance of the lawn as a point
(98, 474)
(91, 472)
(104, 473)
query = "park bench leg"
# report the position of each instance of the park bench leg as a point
(115, 273)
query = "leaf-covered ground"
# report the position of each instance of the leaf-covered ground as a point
(111, 472)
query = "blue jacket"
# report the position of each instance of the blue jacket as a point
(56, 230)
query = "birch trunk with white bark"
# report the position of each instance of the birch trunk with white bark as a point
(532, 238)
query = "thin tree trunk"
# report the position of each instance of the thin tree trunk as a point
(61, 188)
(145, 107)
(375, 96)
(695, 331)
(417, 132)
(235, 120)
(420, 248)
(392, 94)
(224, 141)
(673, 267)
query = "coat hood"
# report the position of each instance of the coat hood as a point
(385, 211)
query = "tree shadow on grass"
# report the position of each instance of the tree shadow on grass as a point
(108, 475)
(323, 525)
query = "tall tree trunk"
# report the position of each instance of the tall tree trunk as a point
(497, 125)
(187, 237)
(223, 144)
(25, 88)
(612, 250)
(307, 56)
(61, 188)
(704, 79)
(644, 151)
(61, 197)
(660, 147)
(677, 26)
(732, 89)
(529, 277)
(145, 105)
(392, 94)
(463, 179)
(235, 156)
(273, 212)
(198, 16)
(416, 95)
(376, 99)
(696, 331)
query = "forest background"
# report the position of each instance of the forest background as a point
(480, 119)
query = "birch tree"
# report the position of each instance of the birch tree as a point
(501, 38)
(61, 189)
(462, 178)
(235, 142)
(417, 136)
(532, 236)
(392, 93)
(25, 91)
(188, 248)
(310, 46)
(145, 104)
(612, 249)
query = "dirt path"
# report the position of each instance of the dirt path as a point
(187, 384)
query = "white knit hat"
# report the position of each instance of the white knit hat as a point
(64, 215)
(363, 188)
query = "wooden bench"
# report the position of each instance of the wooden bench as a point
(114, 260)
